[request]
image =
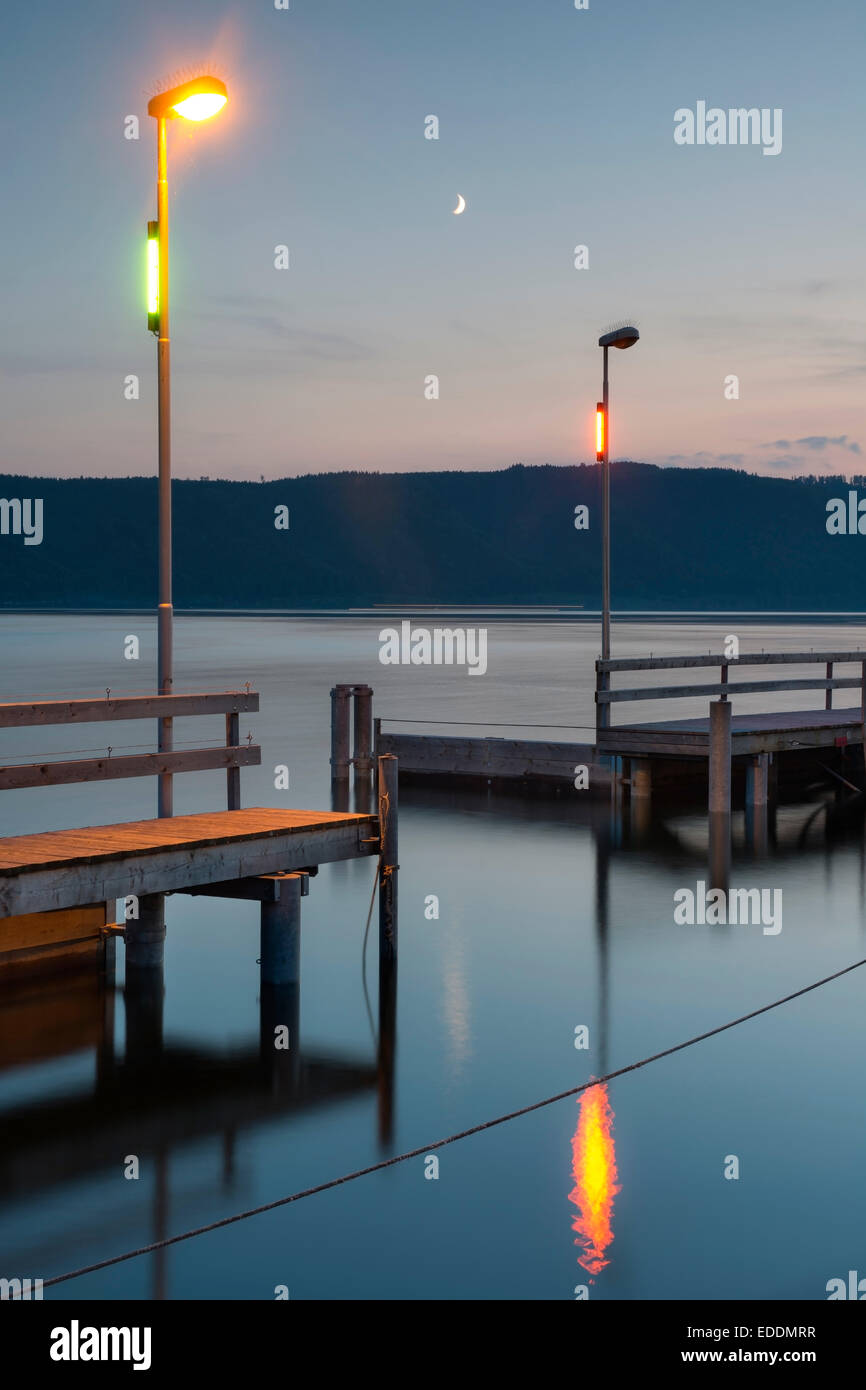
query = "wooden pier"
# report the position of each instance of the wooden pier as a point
(58, 889)
(635, 757)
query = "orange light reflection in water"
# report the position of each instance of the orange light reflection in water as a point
(593, 1164)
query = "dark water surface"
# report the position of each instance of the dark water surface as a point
(549, 919)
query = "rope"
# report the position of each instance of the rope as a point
(56, 753)
(451, 1139)
(487, 723)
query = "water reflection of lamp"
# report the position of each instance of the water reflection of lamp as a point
(595, 1178)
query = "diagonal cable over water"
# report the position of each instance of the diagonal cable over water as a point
(451, 1139)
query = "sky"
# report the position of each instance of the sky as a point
(557, 127)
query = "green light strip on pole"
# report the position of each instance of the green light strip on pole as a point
(153, 277)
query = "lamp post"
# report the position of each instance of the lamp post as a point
(194, 101)
(624, 337)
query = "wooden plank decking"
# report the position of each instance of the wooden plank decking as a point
(70, 868)
(750, 733)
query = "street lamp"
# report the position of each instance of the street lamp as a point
(623, 337)
(194, 101)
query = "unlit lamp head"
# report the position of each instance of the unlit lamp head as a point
(625, 336)
(195, 101)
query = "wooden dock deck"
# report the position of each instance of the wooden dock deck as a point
(750, 733)
(71, 868)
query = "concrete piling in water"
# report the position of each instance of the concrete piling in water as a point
(281, 932)
(145, 935)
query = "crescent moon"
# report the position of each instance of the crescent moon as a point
(461, 204)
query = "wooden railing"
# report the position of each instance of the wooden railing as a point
(605, 696)
(231, 756)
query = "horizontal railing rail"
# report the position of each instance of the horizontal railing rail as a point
(664, 663)
(95, 710)
(665, 692)
(60, 774)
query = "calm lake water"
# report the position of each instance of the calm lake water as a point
(545, 924)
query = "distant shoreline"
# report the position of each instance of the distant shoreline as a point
(492, 613)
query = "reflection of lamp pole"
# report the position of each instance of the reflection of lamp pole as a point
(624, 337)
(195, 101)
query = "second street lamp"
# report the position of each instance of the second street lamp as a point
(623, 337)
(197, 100)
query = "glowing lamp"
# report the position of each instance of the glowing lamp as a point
(195, 101)
(599, 432)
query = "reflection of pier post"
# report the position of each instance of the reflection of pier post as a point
(719, 865)
(602, 899)
(144, 988)
(363, 793)
(160, 1224)
(388, 869)
(281, 980)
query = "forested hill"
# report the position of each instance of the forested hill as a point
(682, 538)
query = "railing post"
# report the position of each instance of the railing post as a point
(233, 774)
(828, 698)
(602, 711)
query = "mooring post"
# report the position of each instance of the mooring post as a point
(388, 865)
(363, 750)
(340, 733)
(720, 758)
(145, 935)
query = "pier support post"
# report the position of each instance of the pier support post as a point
(281, 932)
(641, 779)
(145, 935)
(640, 801)
(363, 747)
(340, 733)
(757, 802)
(720, 758)
(280, 995)
(388, 865)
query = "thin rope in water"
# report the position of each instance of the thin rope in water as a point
(451, 1139)
(483, 723)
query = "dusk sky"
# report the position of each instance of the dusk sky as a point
(556, 126)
